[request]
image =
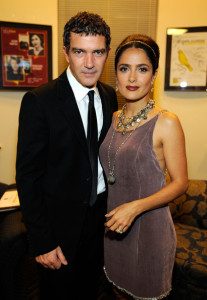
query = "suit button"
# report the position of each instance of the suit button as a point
(88, 178)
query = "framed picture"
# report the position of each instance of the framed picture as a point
(25, 55)
(186, 59)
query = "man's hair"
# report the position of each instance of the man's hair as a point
(86, 23)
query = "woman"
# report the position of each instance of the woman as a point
(36, 41)
(144, 140)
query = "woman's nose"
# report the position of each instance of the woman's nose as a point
(132, 76)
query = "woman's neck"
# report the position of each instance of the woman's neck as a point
(38, 48)
(132, 108)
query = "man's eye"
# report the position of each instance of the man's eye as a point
(78, 51)
(99, 52)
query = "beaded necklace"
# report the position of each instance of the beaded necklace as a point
(136, 119)
(127, 122)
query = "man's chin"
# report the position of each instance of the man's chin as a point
(89, 83)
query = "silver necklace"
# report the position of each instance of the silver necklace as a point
(141, 115)
(127, 122)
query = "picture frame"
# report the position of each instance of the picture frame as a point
(186, 59)
(25, 55)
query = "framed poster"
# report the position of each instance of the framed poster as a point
(25, 55)
(186, 59)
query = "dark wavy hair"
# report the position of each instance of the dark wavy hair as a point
(40, 36)
(86, 23)
(140, 41)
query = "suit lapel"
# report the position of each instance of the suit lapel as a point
(105, 114)
(71, 112)
(70, 108)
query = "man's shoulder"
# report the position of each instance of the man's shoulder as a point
(48, 88)
(109, 95)
(45, 88)
(106, 89)
(105, 86)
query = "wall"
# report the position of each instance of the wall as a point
(36, 12)
(191, 107)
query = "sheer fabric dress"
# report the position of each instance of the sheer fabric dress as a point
(141, 260)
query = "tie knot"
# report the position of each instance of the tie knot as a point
(91, 96)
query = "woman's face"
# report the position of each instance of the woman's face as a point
(36, 42)
(134, 74)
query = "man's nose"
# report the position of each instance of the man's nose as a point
(89, 61)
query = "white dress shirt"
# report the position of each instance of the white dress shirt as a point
(81, 96)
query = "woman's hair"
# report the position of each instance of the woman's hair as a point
(12, 57)
(40, 36)
(143, 42)
(86, 23)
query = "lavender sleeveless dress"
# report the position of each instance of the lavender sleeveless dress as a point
(141, 260)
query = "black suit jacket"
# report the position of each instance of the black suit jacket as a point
(53, 172)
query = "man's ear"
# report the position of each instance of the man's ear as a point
(108, 52)
(66, 54)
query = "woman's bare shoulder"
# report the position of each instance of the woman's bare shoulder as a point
(168, 124)
(167, 117)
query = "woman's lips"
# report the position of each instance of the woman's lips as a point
(132, 88)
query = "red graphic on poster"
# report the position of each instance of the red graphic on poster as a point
(24, 57)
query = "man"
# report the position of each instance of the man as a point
(55, 169)
(14, 71)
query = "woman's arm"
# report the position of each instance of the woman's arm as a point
(169, 134)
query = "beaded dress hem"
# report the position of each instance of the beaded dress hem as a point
(133, 296)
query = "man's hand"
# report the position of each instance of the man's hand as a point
(53, 259)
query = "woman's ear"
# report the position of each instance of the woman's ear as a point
(154, 76)
(116, 85)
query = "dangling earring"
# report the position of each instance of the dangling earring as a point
(152, 89)
(117, 87)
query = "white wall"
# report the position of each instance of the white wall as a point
(191, 107)
(36, 12)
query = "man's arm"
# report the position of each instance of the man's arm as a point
(31, 164)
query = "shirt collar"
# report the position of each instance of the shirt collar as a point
(78, 89)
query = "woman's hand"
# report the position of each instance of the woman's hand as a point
(122, 216)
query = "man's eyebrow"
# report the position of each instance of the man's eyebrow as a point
(102, 50)
(78, 49)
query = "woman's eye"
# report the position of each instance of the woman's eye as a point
(123, 69)
(143, 69)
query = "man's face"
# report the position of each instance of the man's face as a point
(87, 56)
(14, 65)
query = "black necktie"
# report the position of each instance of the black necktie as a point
(92, 138)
